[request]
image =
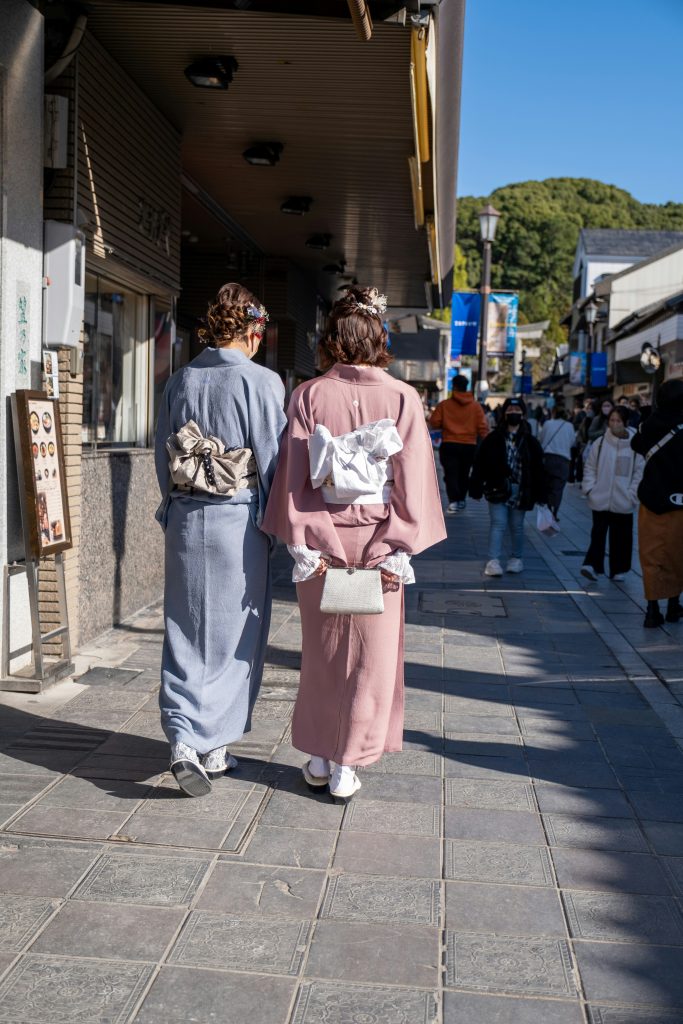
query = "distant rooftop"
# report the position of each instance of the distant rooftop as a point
(617, 242)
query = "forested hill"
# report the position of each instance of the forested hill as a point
(537, 235)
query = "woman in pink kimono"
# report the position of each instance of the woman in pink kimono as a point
(355, 486)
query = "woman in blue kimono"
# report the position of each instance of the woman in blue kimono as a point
(217, 596)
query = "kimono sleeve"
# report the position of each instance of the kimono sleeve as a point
(296, 513)
(415, 520)
(267, 422)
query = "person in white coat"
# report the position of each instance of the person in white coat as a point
(610, 482)
(557, 437)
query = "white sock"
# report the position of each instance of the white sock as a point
(319, 766)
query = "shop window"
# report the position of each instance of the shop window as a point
(163, 352)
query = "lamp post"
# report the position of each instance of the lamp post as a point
(488, 222)
(590, 314)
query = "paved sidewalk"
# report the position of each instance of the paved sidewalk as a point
(521, 862)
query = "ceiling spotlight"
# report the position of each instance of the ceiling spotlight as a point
(297, 205)
(211, 72)
(263, 154)
(319, 241)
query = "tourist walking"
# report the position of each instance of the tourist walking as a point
(660, 519)
(461, 421)
(557, 439)
(508, 472)
(595, 427)
(356, 487)
(610, 482)
(217, 445)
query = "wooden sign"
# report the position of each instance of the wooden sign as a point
(40, 463)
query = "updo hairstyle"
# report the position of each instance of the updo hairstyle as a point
(229, 316)
(355, 334)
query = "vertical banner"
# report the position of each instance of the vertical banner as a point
(599, 370)
(501, 335)
(465, 317)
(577, 368)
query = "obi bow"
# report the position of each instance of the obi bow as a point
(356, 464)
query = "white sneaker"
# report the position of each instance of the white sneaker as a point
(589, 572)
(452, 509)
(493, 568)
(343, 783)
(514, 565)
(317, 772)
(219, 761)
(188, 772)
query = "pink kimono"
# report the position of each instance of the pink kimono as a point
(349, 707)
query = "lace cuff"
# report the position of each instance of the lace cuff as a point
(398, 562)
(306, 561)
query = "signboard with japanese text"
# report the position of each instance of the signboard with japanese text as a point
(465, 318)
(40, 457)
(599, 370)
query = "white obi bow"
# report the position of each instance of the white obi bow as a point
(354, 468)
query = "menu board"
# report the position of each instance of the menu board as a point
(38, 439)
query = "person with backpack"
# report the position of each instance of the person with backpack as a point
(556, 437)
(610, 482)
(660, 519)
(462, 421)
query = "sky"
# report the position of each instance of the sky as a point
(573, 88)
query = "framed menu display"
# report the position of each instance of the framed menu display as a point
(40, 457)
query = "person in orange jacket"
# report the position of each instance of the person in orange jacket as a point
(461, 421)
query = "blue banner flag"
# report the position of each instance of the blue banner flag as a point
(577, 368)
(465, 316)
(501, 335)
(599, 370)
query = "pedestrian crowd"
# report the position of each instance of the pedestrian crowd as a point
(346, 479)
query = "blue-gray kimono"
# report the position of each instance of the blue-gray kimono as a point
(217, 594)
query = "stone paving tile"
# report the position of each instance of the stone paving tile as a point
(466, 1008)
(152, 880)
(566, 773)
(41, 867)
(238, 944)
(473, 766)
(342, 1004)
(626, 918)
(594, 833)
(392, 788)
(393, 818)
(52, 990)
(294, 847)
(260, 891)
(21, 917)
(497, 862)
(170, 830)
(533, 966)
(378, 854)
(630, 973)
(610, 872)
(508, 826)
(408, 762)
(583, 801)
(97, 794)
(632, 1015)
(69, 822)
(183, 994)
(503, 909)
(366, 952)
(491, 795)
(382, 900)
(286, 809)
(110, 931)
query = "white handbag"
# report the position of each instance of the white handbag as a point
(351, 591)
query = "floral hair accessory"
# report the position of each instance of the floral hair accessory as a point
(377, 307)
(258, 313)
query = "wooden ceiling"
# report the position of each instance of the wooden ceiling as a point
(340, 107)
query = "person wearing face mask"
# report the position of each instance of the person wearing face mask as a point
(610, 481)
(598, 425)
(508, 472)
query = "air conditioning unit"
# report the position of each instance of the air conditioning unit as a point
(64, 271)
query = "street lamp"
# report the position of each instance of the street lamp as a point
(488, 222)
(590, 314)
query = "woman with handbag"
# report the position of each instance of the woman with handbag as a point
(217, 444)
(355, 489)
(660, 518)
(508, 472)
(610, 482)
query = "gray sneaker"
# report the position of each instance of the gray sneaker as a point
(188, 772)
(219, 761)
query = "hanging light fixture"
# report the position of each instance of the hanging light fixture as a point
(296, 205)
(211, 72)
(263, 154)
(319, 241)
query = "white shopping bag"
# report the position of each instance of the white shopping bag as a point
(546, 523)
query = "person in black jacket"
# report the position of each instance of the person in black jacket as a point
(508, 472)
(660, 519)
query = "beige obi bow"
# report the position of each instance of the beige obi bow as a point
(204, 464)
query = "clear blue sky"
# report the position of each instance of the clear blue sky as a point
(573, 88)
